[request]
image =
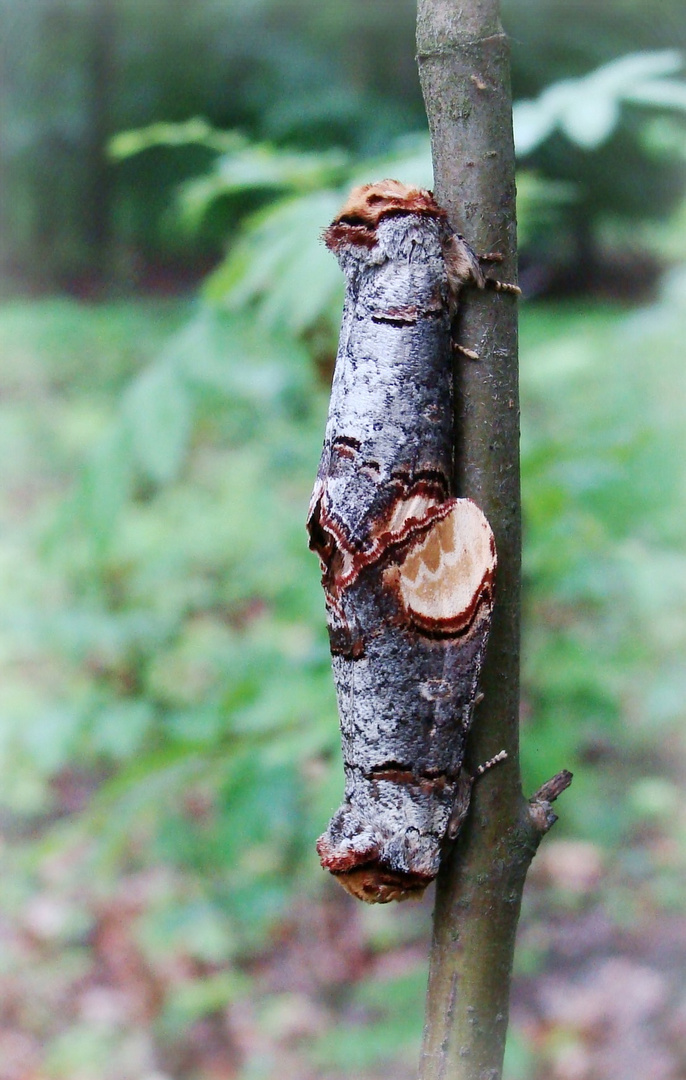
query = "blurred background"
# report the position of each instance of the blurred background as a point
(169, 746)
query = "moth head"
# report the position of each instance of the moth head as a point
(369, 204)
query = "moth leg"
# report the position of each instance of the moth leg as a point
(469, 354)
(463, 795)
(493, 283)
(461, 264)
(463, 267)
(502, 286)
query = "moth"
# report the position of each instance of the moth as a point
(407, 568)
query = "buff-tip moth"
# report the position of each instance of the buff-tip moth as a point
(408, 569)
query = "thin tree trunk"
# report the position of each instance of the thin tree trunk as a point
(97, 208)
(464, 71)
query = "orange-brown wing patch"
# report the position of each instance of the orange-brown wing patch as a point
(449, 571)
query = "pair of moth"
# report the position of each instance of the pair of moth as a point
(407, 568)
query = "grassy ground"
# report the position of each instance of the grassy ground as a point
(168, 742)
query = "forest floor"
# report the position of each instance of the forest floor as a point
(598, 995)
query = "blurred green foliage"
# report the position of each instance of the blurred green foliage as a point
(306, 75)
(166, 642)
(183, 556)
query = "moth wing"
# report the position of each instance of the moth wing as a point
(446, 577)
(364, 534)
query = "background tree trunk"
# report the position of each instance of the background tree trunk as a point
(464, 69)
(98, 193)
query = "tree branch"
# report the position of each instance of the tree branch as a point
(464, 69)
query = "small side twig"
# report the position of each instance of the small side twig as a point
(540, 808)
(549, 791)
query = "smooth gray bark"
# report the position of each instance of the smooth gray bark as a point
(464, 71)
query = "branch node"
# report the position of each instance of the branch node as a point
(457, 46)
(540, 810)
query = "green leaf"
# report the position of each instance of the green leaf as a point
(588, 109)
(625, 71)
(282, 264)
(590, 118)
(195, 132)
(263, 166)
(258, 167)
(667, 93)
